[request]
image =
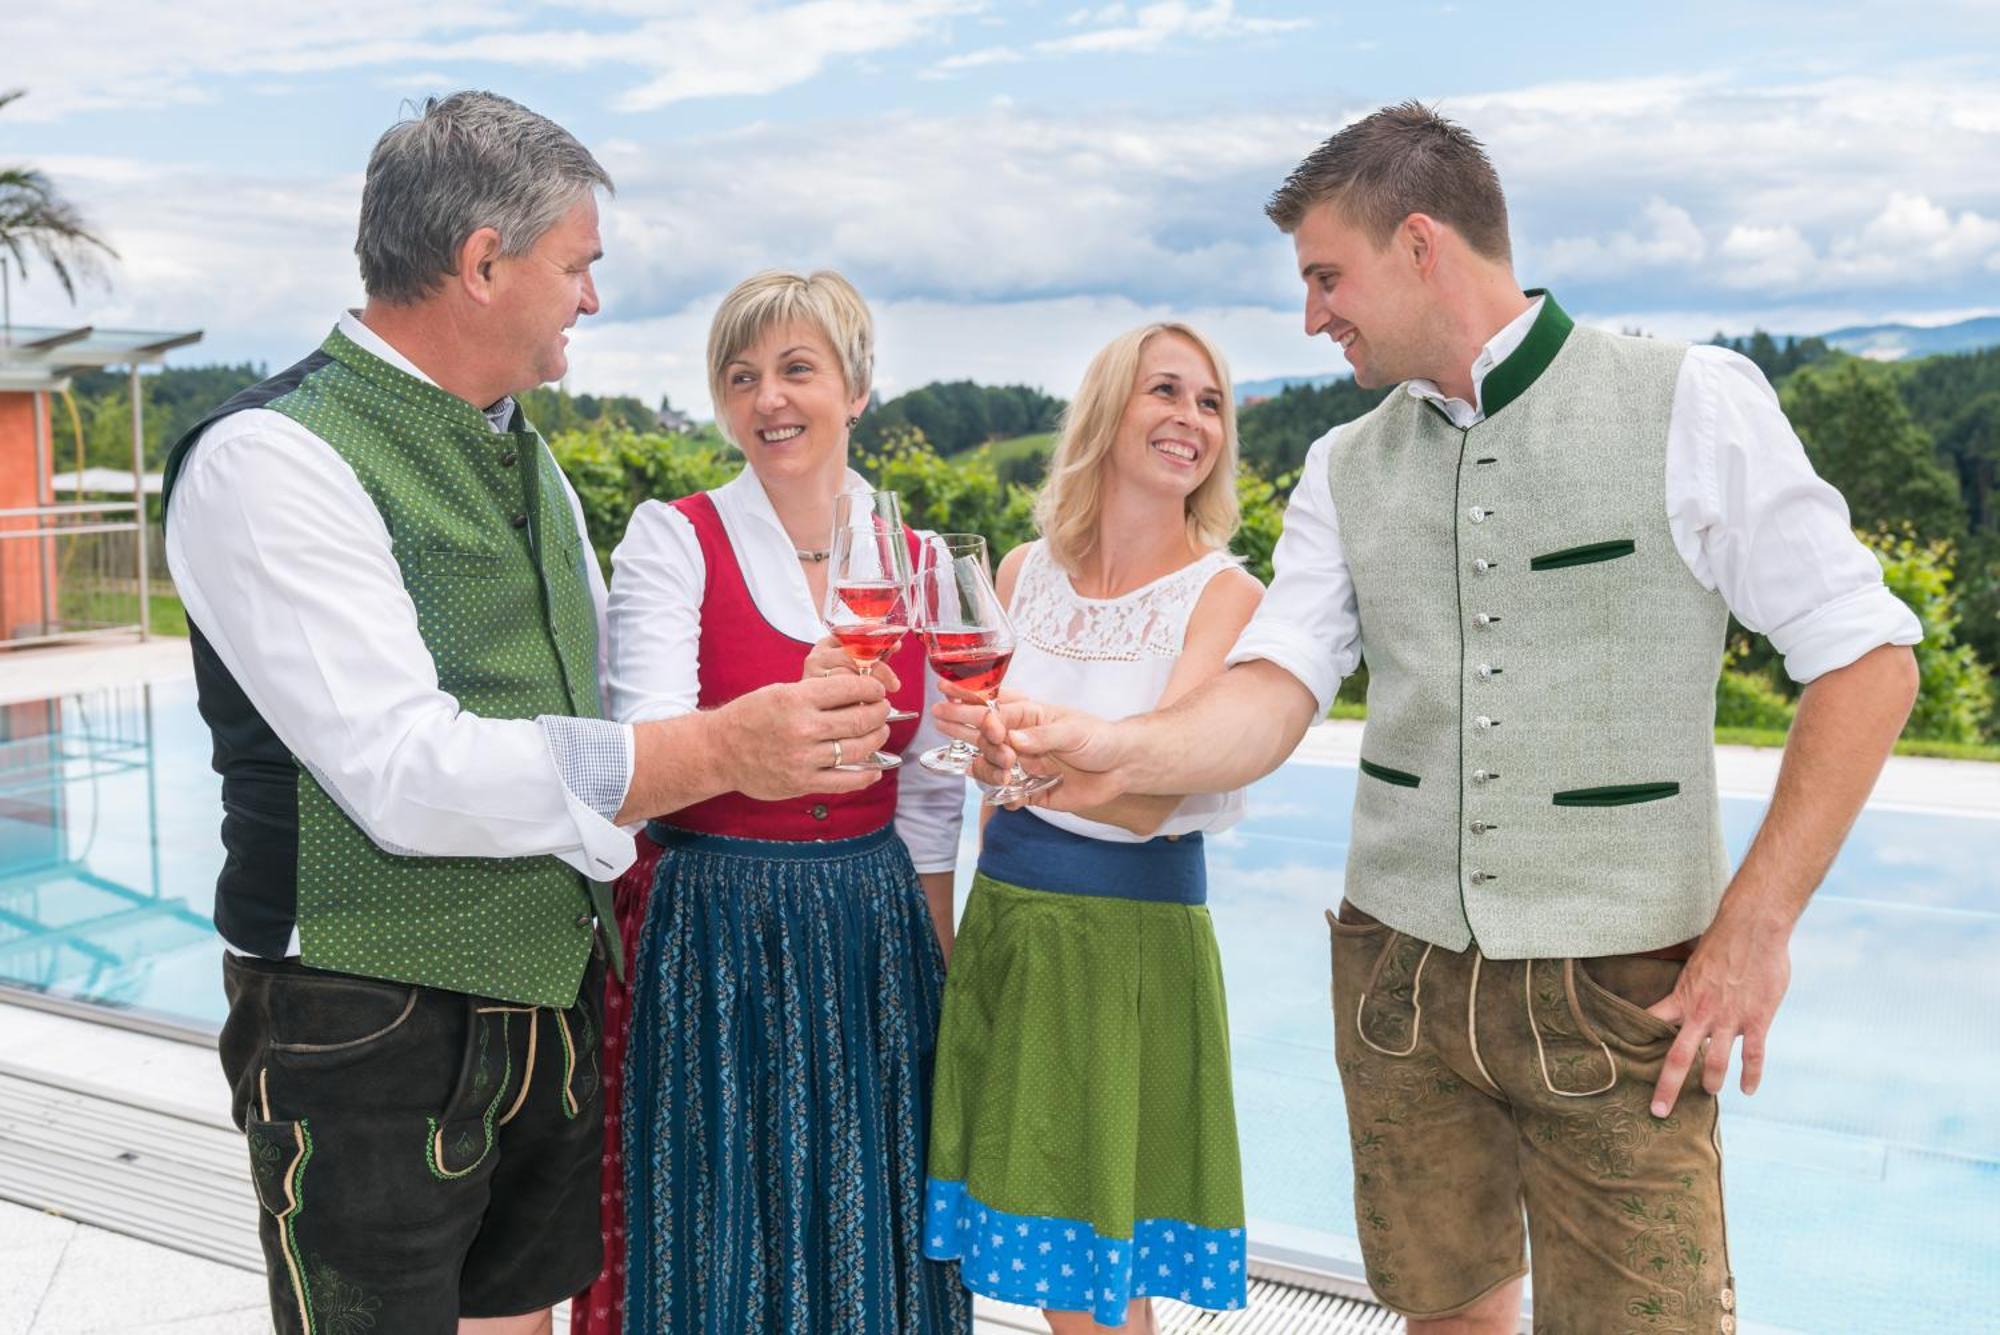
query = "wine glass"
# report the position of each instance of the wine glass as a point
(868, 589)
(969, 642)
(956, 758)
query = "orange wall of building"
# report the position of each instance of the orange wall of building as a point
(25, 581)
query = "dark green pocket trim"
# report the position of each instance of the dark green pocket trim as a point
(1395, 776)
(1585, 555)
(1618, 795)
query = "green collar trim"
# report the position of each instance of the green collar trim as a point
(403, 385)
(1524, 365)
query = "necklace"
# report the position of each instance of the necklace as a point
(815, 556)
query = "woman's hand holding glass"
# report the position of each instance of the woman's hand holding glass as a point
(970, 642)
(868, 589)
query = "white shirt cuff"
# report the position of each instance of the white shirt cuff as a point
(593, 758)
(1837, 633)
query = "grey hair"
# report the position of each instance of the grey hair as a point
(463, 162)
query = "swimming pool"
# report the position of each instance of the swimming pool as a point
(1864, 1181)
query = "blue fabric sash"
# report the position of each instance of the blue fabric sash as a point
(1025, 850)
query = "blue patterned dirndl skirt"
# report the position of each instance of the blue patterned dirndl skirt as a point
(777, 1085)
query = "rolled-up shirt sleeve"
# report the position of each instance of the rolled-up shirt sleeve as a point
(287, 569)
(1308, 623)
(930, 807)
(1754, 522)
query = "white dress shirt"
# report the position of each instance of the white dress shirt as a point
(286, 566)
(658, 577)
(1746, 511)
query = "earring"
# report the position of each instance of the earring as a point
(853, 422)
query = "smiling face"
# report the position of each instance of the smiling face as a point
(1369, 299)
(541, 293)
(1171, 431)
(787, 405)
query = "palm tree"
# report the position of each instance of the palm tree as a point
(34, 217)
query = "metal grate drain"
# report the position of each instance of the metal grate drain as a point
(89, 1155)
(1276, 1308)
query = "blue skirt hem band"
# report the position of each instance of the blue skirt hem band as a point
(1023, 849)
(1063, 1265)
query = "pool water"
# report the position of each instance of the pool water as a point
(1863, 1180)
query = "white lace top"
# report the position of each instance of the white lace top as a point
(1111, 657)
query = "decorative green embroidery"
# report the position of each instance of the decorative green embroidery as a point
(1666, 1249)
(295, 1193)
(341, 1307)
(431, 1138)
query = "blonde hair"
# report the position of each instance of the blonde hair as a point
(1070, 501)
(824, 300)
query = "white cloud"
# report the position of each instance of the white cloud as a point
(1153, 26)
(1115, 29)
(992, 55)
(1911, 232)
(1770, 259)
(157, 55)
(1669, 239)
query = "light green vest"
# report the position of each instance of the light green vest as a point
(1538, 769)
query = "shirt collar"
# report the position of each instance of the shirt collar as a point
(746, 492)
(1513, 359)
(499, 416)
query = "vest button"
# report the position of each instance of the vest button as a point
(1483, 827)
(507, 459)
(1485, 671)
(1482, 877)
(1481, 566)
(584, 920)
(1483, 776)
(1477, 514)
(819, 811)
(519, 521)
(1483, 722)
(1484, 619)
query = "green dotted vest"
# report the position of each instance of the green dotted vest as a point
(492, 558)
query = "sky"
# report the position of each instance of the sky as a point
(1012, 183)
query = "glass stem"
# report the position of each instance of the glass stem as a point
(1017, 774)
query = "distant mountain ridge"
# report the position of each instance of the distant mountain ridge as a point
(1894, 342)
(1877, 342)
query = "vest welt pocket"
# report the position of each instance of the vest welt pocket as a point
(1400, 778)
(1617, 795)
(461, 561)
(1585, 555)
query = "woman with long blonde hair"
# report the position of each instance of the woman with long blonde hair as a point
(1083, 1139)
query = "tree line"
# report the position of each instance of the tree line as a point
(1913, 446)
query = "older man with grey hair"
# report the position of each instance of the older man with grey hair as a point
(398, 630)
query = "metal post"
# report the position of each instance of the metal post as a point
(44, 548)
(139, 510)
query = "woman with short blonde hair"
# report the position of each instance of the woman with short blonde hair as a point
(788, 958)
(1083, 1138)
